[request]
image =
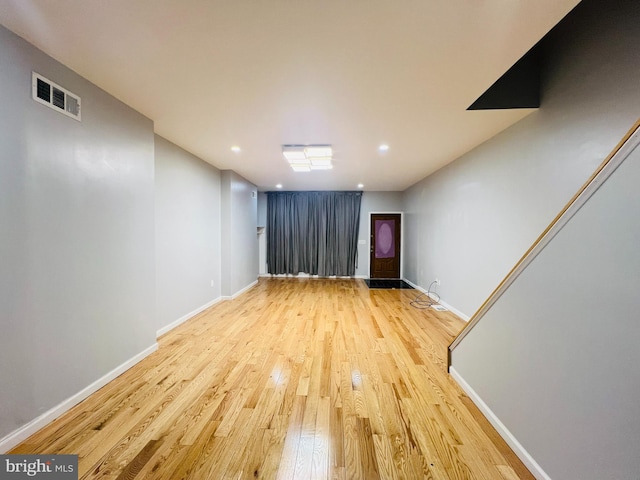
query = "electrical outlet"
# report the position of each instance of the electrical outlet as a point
(437, 281)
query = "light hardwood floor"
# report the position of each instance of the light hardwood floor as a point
(295, 379)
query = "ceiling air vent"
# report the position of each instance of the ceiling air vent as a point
(54, 96)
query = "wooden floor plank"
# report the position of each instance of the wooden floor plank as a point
(295, 379)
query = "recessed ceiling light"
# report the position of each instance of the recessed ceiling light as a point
(383, 148)
(360, 185)
(235, 149)
(279, 185)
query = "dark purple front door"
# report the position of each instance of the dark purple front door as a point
(385, 246)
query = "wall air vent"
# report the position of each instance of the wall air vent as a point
(54, 96)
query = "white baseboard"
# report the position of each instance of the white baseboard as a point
(504, 432)
(306, 275)
(463, 316)
(248, 287)
(240, 292)
(417, 287)
(289, 275)
(186, 317)
(458, 313)
(24, 432)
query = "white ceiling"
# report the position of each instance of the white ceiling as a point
(258, 74)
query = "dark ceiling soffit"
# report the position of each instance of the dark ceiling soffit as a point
(519, 87)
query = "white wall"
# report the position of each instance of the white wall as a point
(556, 357)
(77, 282)
(239, 233)
(188, 238)
(470, 222)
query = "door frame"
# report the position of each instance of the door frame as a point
(401, 241)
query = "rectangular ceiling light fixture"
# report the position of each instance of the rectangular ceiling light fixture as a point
(304, 158)
(320, 162)
(318, 151)
(299, 167)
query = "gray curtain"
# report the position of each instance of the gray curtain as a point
(313, 232)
